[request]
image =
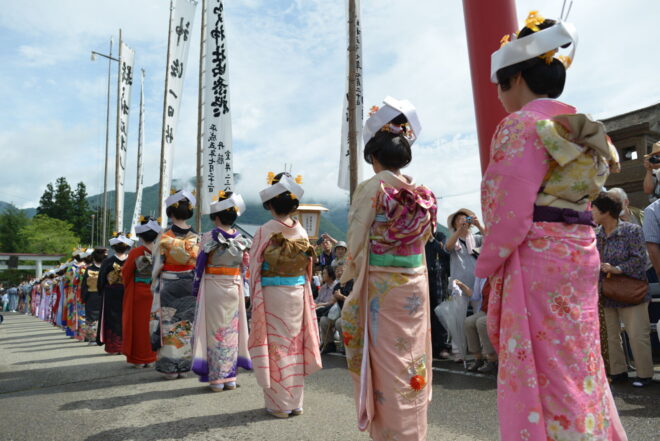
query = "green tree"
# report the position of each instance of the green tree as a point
(63, 200)
(45, 235)
(12, 220)
(81, 213)
(46, 202)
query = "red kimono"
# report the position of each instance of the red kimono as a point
(136, 274)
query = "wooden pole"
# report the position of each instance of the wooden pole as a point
(118, 222)
(352, 96)
(200, 107)
(161, 190)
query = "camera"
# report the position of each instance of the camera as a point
(468, 219)
(654, 159)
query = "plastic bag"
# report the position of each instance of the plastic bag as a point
(452, 313)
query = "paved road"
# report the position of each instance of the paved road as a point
(54, 388)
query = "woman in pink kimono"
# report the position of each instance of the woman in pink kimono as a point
(386, 318)
(547, 163)
(284, 339)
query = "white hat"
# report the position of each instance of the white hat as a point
(534, 45)
(121, 238)
(286, 183)
(88, 252)
(236, 200)
(179, 196)
(390, 110)
(151, 225)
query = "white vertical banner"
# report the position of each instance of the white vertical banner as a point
(344, 181)
(181, 25)
(139, 178)
(125, 80)
(217, 137)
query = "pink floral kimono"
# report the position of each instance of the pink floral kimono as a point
(284, 338)
(543, 308)
(386, 329)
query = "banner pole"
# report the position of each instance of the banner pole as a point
(161, 190)
(200, 105)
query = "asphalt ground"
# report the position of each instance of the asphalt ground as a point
(55, 388)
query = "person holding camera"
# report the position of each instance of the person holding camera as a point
(652, 165)
(462, 245)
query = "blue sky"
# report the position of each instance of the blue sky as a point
(286, 68)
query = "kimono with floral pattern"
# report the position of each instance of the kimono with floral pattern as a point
(386, 318)
(543, 307)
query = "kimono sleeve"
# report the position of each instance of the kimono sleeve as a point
(83, 286)
(254, 259)
(360, 217)
(128, 269)
(518, 165)
(103, 274)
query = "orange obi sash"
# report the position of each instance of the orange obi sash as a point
(223, 271)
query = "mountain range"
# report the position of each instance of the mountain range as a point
(334, 222)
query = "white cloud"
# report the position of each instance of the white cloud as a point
(287, 67)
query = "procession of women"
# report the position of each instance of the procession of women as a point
(218, 304)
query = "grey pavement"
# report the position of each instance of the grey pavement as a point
(54, 388)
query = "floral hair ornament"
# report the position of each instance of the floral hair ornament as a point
(286, 183)
(121, 238)
(543, 43)
(380, 119)
(235, 201)
(269, 178)
(146, 224)
(178, 196)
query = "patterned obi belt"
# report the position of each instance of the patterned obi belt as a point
(280, 280)
(143, 280)
(223, 270)
(409, 261)
(564, 215)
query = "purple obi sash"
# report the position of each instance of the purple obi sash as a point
(565, 215)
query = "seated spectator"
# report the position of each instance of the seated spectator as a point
(325, 299)
(340, 253)
(622, 251)
(479, 345)
(332, 321)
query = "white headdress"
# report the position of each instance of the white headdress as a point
(121, 238)
(286, 183)
(543, 43)
(380, 119)
(150, 225)
(236, 200)
(179, 196)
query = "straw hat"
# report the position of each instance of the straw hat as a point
(465, 211)
(654, 151)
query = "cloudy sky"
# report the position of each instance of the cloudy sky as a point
(287, 79)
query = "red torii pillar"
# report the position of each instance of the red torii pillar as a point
(486, 21)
